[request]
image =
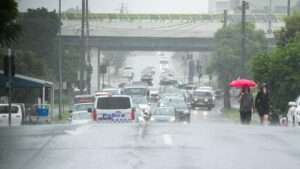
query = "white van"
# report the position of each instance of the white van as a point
(114, 108)
(16, 115)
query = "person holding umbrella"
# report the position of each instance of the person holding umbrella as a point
(246, 99)
(262, 104)
(246, 105)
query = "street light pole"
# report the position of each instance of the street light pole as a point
(243, 38)
(60, 62)
(289, 8)
(89, 72)
(9, 86)
(82, 48)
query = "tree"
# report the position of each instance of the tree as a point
(226, 59)
(39, 37)
(9, 30)
(289, 32)
(280, 68)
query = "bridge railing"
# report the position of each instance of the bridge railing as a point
(110, 17)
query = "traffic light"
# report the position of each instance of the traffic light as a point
(9, 60)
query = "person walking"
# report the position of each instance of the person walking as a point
(262, 104)
(246, 105)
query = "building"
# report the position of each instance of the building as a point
(218, 6)
(255, 6)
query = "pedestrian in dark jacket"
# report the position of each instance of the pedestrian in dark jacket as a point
(262, 104)
(246, 105)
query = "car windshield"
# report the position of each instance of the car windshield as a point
(5, 109)
(113, 103)
(164, 111)
(139, 100)
(203, 94)
(135, 91)
(82, 107)
(173, 101)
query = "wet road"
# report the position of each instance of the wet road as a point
(205, 143)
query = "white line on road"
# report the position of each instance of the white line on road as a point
(168, 139)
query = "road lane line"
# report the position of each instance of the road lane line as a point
(167, 139)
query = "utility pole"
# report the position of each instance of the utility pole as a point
(225, 18)
(98, 69)
(9, 86)
(88, 47)
(245, 6)
(82, 48)
(60, 63)
(289, 8)
(270, 17)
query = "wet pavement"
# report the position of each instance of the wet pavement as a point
(208, 142)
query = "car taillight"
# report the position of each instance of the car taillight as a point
(132, 114)
(94, 115)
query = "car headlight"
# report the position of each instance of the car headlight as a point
(186, 112)
(195, 99)
(206, 99)
(152, 119)
(172, 119)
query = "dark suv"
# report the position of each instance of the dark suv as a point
(202, 98)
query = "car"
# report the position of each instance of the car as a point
(140, 103)
(164, 64)
(147, 79)
(16, 115)
(202, 98)
(163, 114)
(293, 114)
(114, 108)
(136, 90)
(80, 113)
(182, 111)
(84, 99)
(154, 96)
(210, 89)
(127, 72)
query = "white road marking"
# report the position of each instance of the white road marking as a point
(168, 139)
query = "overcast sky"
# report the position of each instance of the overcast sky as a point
(134, 6)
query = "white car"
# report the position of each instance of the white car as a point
(114, 108)
(141, 105)
(127, 72)
(293, 114)
(16, 115)
(81, 113)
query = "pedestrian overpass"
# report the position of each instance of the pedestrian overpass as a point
(158, 32)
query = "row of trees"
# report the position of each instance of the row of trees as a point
(279, 67)
(226, 59)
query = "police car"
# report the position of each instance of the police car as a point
(116, 108)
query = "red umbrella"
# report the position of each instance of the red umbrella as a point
(242, 83)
